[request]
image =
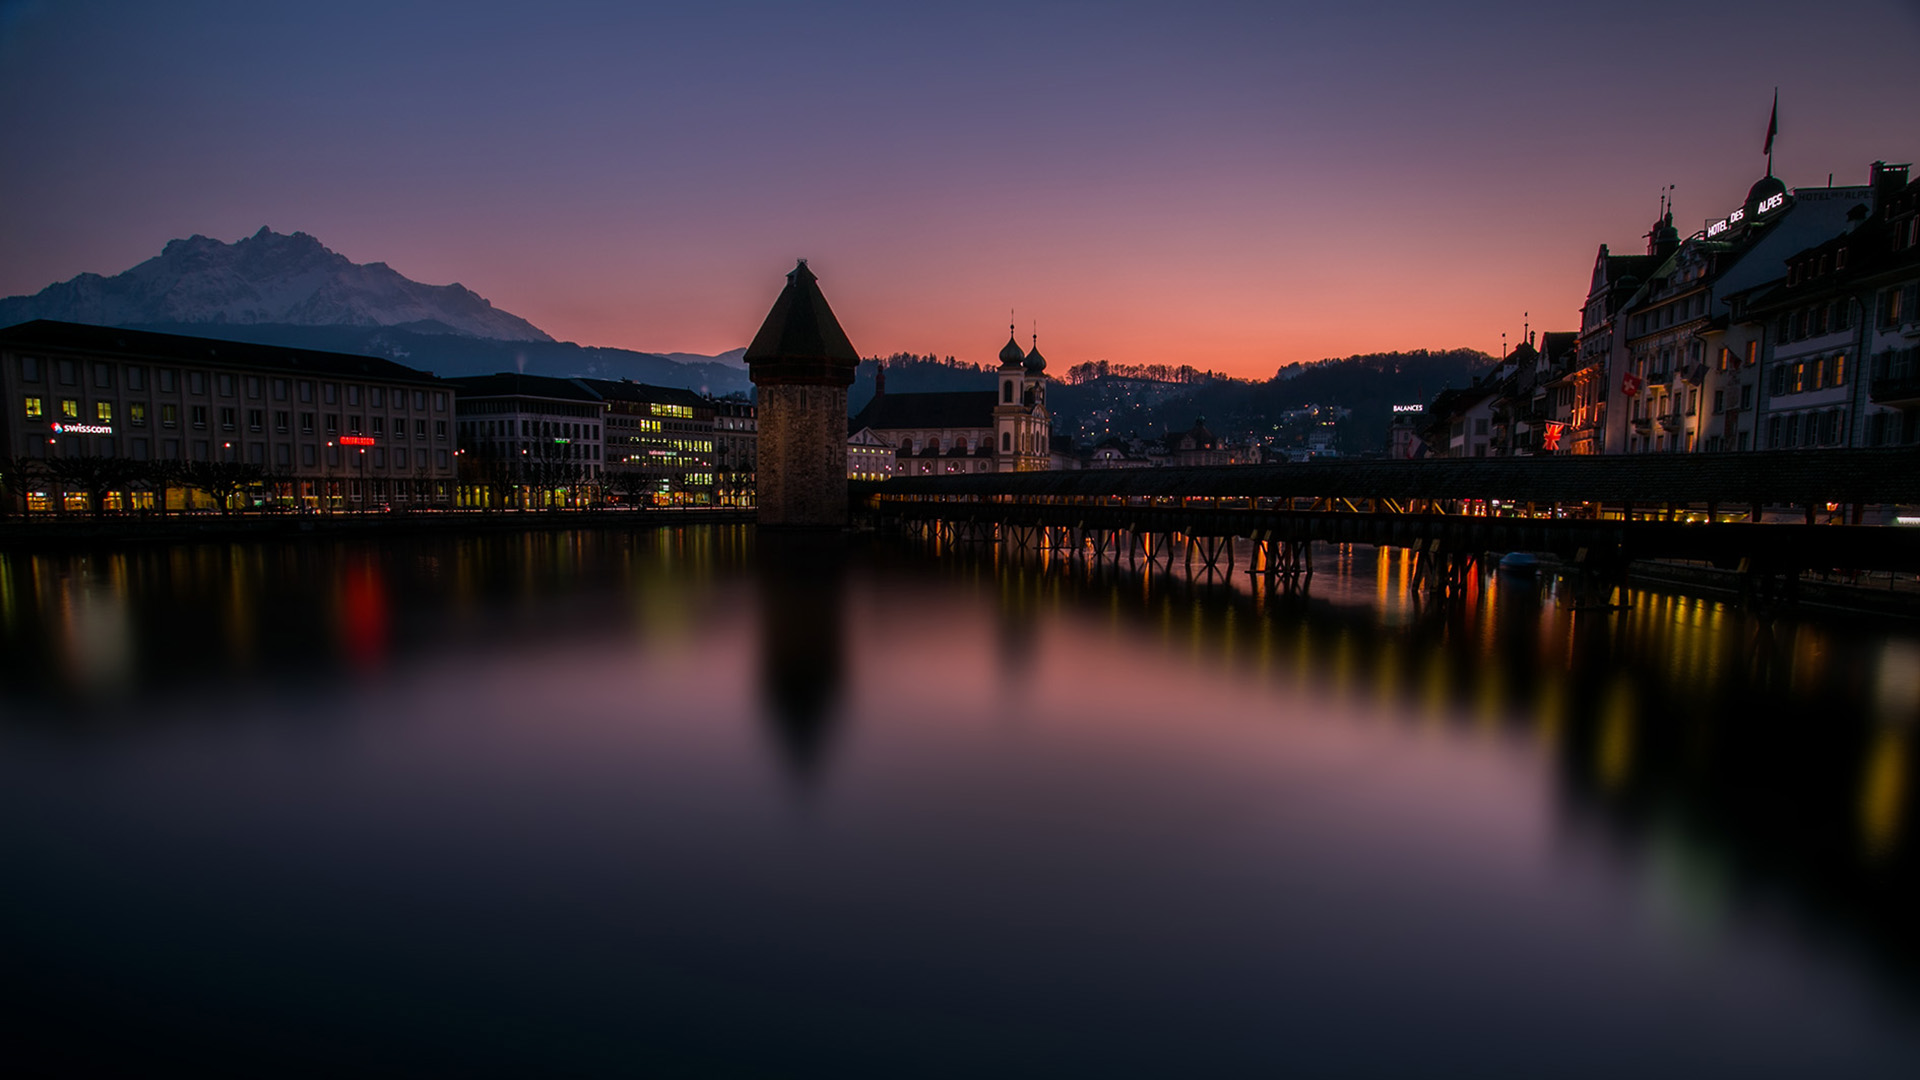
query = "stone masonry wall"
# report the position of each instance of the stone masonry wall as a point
(803, 456)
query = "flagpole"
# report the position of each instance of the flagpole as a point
(1773, 128)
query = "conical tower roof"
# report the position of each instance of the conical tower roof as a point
(801, 341)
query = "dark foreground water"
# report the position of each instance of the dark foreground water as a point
(681, 803)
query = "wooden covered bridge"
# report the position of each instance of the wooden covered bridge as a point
(1769, 515)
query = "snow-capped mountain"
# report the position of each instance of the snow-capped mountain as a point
(267, 278)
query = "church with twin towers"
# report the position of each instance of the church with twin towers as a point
(803, 363)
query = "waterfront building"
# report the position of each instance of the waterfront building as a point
(528, 440)
(1891, 292)
(1114, 452)
(1615, 279)
(961, 431)
(736, 447)
(948, 431)
(1459, 423)
(660, 448)
(326, 430)
(1668, 357)
(868, 456)
(1023, 427)
(803, 363)
(1836, 335)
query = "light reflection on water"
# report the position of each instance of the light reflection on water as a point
(686, 801)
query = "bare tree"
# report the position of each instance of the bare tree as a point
(96, 476)
(16, 476)
(223, 481)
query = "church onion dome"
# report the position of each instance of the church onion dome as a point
(1036, 364)
(1012, 354)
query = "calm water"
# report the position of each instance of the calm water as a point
(685, 803)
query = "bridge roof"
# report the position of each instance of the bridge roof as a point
(1774, 476)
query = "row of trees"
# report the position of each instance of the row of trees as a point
(1169, 373)
(228, 483)
(504, 479)
(95, 477)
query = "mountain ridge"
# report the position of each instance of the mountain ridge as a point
(268, 278)
(292, 290)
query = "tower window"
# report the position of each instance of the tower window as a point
(1006, 392)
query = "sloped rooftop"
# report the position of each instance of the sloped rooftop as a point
(55, 336)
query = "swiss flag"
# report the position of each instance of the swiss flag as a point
(1630, 384)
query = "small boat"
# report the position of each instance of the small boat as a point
(1519, 564)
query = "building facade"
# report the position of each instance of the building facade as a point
(528, 441)
(1007, 429)
(325, 430)
(660, 443)
(736, 447)
(868, 458)
(1679, 344)
(1836, 335)
(1022, 426)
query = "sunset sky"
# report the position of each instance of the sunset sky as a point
(1235, 186)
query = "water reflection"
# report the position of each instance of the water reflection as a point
(1123, 820)
(801, 580)
(1763, 756)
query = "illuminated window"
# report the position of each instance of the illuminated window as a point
(103, 411)
(1839, 373)
(137, 413)
(33, 408)
(70, 408)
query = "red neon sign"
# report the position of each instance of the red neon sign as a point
(356, 440)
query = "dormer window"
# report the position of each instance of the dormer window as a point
(1840, 259)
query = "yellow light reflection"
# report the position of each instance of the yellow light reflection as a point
(1613, 757)
(1883, 793)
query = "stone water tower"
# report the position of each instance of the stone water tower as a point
(802, 363)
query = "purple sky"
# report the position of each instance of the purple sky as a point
(1234, 186)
